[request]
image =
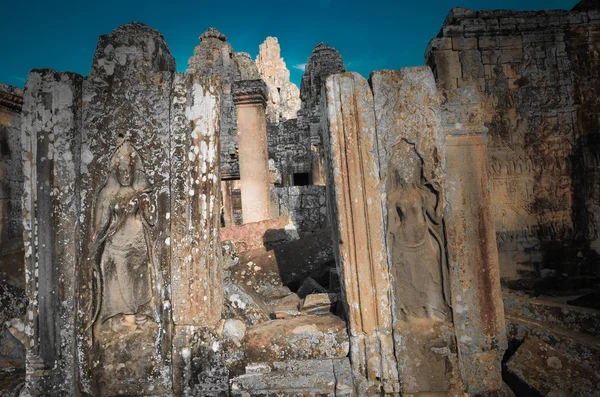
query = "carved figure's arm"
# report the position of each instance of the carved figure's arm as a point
(149, 212)
(433, 205)
(102, 217)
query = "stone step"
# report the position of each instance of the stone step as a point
(574, 318)
(331, 377)
(581, 347)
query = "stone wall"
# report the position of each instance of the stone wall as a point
(289, 147)
(324, 61)
(11, 174)
(305, 205)
(538, 76)
(121, 176)
(215, 56)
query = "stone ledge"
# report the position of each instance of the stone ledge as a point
(249, 92)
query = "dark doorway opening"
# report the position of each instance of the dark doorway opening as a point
(302, 179)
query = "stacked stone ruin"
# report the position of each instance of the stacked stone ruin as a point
(221, 232)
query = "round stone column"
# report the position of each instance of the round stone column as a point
(250, 98)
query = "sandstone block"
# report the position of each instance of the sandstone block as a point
(300, 338)
(538, 368)
(312, 377)
(245, 304)
(255, 235)
(464, 43)
(318, 304)
(471, 64)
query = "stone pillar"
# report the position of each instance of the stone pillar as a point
(227, 202)
(474, 269)
(51, 139)
(353, 186)
(250, 100)
(412, 157)
(196, 268)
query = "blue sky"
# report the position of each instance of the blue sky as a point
(370, 35)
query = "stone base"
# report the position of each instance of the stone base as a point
(300, 338)
(296, 378)
(129, 363)
(427, 358)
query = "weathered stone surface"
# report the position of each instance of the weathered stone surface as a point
(284, 96)
(51, 131)
(214, 56)
(13, 302)
(576, 319)
(107, 160)
(287, 306)
(124, 266)
(235, 330)
(290, 149)
(305, 205)
(246, 66)
(195, 191)
(12, 351)
(537, 368)
(581, 347)
(243, 303)
(475, 273)
(359, 239)
(299, 338)
(318, 304)
(535, 71)
(324, 61)
(412, 159)
(11, 173)
(310, 377)
(12, 270)
(249, 97)
(263, 234)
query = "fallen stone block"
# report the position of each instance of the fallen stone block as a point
(582, 348)
(260, 235)
(318, 304)
(299, 338)
(578, 319)
(537, 369)
(285, 307)
(310, 286)
(245, 304)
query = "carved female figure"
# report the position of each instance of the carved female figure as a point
(124, 213)
(418, 259)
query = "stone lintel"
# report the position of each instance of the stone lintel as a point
(247, 92)
(11, 100)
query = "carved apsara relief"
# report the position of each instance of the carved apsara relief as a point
(121, 248)
(415, 233)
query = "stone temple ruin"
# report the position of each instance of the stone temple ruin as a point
(430, 231)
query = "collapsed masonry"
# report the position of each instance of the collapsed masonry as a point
(163, 227)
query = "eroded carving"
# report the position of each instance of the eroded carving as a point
(414, 229)
(121, 244)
